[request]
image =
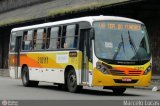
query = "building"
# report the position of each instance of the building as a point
(16, 13)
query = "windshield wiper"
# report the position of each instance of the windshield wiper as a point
(122, 42)
(133, 45)
(119, 46)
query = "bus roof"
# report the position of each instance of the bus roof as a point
(88, 19)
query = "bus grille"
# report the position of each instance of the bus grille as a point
(126, 73)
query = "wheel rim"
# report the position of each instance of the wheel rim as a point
(72, 80)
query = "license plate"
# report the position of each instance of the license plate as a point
(126, 79)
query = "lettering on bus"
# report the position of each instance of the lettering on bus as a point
(118, 26)
(43, 60)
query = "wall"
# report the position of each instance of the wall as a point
(1, 52)
(6, 5)
(154, 36)
(4, 46)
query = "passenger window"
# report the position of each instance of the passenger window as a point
(27, 40)
(34, 39)
(39, 39)
(12, 44)
(54, 38)
(71, 38)
(45, 44)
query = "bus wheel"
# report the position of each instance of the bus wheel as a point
(119, 91)
(25, 78)
(72, 81)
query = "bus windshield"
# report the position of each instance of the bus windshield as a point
(123, 41)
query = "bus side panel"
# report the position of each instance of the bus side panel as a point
(47, 74)
(12, 65)
(50, 66)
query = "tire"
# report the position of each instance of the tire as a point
(72, 82)
(118, 91)
(25, 78)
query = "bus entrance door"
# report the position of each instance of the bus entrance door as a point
(84, 48)
(17, 55)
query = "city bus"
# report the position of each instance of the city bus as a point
(105, 51)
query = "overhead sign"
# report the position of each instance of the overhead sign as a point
(119, 26)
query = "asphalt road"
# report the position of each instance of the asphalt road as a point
(12, 89)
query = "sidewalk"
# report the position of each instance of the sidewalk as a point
(155, 82)
(4, 72)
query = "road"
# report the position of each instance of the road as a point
(12, 89)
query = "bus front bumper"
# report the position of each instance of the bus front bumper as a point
(100, 79)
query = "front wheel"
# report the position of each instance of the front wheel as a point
(118, 91)
(72, 82)
(25, 78)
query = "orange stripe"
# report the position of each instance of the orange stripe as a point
(29, 61)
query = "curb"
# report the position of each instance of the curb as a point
(145, 88)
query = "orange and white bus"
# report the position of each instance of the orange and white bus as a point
(108, 51)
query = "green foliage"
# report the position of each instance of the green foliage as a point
(76, 8)
(13, 20)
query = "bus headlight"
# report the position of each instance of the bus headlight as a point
(147, 70)
(102, 68)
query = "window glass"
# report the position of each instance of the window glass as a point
(38, 44)
(27, 40)
(29, 35)
(13, 38)
(125, 41)
(44, 43)
(54, 42)
(70, 36)
(25, 43)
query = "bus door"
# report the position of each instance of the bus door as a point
(84, 46)
(17, 54)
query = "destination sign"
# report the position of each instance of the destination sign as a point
(119, 26)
